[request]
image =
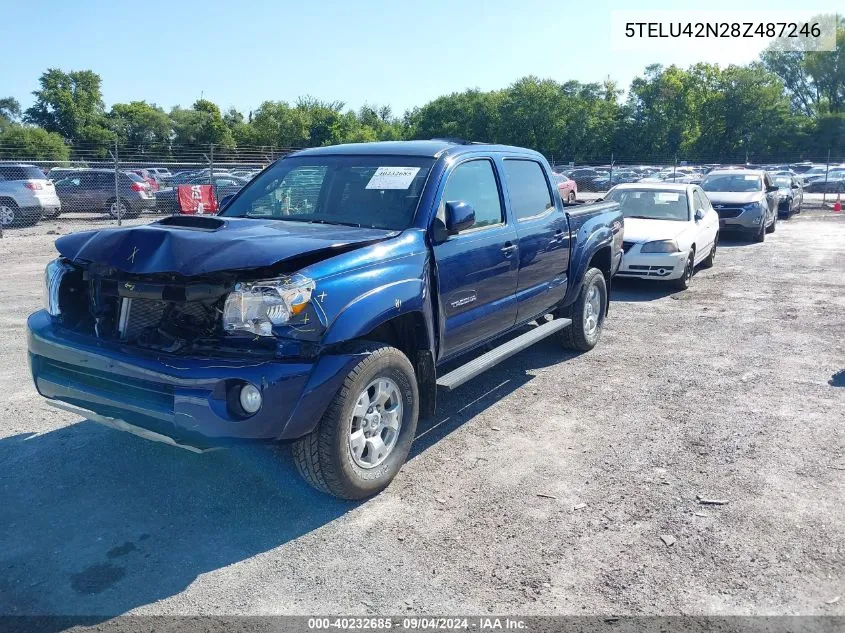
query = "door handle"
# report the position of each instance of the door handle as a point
(508, 249)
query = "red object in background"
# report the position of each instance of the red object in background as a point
(196, 199)
(837, 206)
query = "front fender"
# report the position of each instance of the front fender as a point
(371, 309)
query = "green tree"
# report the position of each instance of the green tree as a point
(10, 110)
(196, 128)
(140, 127)
(814, 80)
(71, 104)
(20, 142)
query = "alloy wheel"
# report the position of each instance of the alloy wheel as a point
(376, 420)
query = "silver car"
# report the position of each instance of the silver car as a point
(26, 195)
(745, 199)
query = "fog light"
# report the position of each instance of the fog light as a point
(250, 398)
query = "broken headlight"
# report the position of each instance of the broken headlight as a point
(53, 274)
(256, 306)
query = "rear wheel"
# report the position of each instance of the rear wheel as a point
(774, 225)
(682, 283)
(365, 435)
(114, 207)
(587, 313)
(10, 215)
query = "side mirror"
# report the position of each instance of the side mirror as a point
(459, 216)
(795, 185)
(225, 200)
(772, 189)
(699, 215)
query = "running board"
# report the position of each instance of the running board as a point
(459, 376)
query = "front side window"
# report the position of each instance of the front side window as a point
(527, 187)
(474, 182)
(368, 191)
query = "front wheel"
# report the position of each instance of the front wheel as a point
(682, 283)
(587, 313)
(365, 435)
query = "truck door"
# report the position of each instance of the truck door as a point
(544, 241)
(476, 268)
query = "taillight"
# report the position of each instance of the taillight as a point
(35, 186)
(137, 186)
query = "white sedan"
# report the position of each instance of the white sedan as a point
(669, 230)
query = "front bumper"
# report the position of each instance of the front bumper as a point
(652, 265)
(182, 398)
(747, 221)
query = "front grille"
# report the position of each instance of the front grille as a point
(153, 395)
(649, 271)
(139, 314)
(627, 246)
(729, 212)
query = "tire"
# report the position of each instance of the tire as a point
(760, 236)
(711, 258)
(111, 209)
(9, 214)
(325, 456)
(773, 226)
(584, 333)
(682, 283)
(571, 197)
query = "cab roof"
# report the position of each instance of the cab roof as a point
(434, 148)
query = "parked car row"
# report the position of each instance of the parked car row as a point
(811, 178)
(671, 228)
(27, 195)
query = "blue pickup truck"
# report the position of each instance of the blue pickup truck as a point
(322, 304)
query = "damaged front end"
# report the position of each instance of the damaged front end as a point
(223, 313)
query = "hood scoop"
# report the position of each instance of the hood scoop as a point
(193, 222)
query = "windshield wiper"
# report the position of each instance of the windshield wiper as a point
(641, 217)
(322, 221)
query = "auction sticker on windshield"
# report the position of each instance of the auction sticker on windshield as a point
(668, 196)
(392, 178)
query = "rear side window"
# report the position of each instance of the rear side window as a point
(17, 172)
(528, 188)
(474, 182)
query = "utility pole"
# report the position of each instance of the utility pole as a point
(117, 201)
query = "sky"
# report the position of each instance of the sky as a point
(401, 53)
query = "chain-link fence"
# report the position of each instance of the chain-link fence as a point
(113, 186)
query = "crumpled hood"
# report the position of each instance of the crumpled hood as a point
(641, 230)
(734, 197)
(223, 244)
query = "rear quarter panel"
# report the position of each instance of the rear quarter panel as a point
(593, 227)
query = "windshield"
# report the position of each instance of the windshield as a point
(369, 191)
(783, 182)
(651, 204)
(732, 183)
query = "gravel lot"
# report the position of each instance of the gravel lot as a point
(546, 486)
